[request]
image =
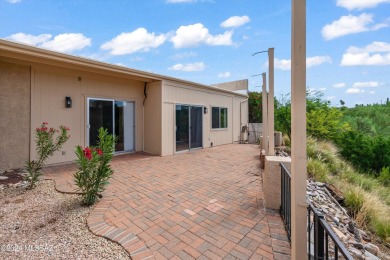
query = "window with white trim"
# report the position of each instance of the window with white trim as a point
(219, 117)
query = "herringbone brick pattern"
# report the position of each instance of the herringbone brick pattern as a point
(204, 204)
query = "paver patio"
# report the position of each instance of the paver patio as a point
(204, 204)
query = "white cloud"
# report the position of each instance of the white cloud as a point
(339, 85)
(317, 60)
(349, 25)
(353, 91)
(196, 34)
(372, 92)
(29, 38)
(66, 42)
(322, 89)
(183, 55)
(368, 84)
(14, 1)
(130, 42)
(282, 64)
(330, 98)
(198, 66)
(235, 21)
(310, 62)
(360, 4)
(226, 74)
(376, 53)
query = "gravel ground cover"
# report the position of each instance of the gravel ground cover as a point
(45, 224)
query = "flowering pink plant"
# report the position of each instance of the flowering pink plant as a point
(94, 169)
(48, 141)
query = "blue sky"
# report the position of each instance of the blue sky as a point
(211, 41)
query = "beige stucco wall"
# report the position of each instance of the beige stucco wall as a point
(15, 115)
(152, 117)
(272, 180)
(174, 93)
(50, 86)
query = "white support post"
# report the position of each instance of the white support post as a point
(271, 94)
(265, 115)
(298, 132)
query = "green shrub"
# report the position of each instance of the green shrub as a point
(384, 176)
(382, 229)
(48, 141)
(354, 199)
(94, 167)
(317, 170)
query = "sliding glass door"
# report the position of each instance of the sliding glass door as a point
(189, 125)
(115, 116)
(196, 127)
(100, 115)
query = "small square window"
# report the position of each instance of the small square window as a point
(219, 117)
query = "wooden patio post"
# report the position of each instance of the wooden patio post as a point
(271, 115)
(264, 99)
(298, 131)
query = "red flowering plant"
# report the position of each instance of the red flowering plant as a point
(48, 141)
(94, 167)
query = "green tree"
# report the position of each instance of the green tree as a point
(323, 121)
(255, 107)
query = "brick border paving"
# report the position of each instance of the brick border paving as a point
(212, 210)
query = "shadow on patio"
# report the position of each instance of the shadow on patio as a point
(205, 204)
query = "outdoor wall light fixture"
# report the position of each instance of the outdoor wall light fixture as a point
(68, 102)
(204, 110)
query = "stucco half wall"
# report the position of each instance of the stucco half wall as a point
(15, 115)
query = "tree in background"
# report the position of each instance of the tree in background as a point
(323, 121)
(255, 107)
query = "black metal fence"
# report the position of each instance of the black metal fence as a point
(285, 205)
(323, 242)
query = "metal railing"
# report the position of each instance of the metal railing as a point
(326, 244)
(285, 205)
(323, 243)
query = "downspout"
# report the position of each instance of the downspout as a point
(143, 117)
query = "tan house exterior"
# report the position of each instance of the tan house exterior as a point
(35, 82)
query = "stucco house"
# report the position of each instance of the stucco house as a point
(152, 113)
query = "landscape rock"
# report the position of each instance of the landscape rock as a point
(357, 245)
(357, 241)
(357, 254)
(369, 256)
(373, 249)
(3, 178)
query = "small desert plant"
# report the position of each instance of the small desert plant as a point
(354, 199)
(317, 170)
(48, 141)
(94, 167)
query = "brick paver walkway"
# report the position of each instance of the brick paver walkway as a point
(206, 204)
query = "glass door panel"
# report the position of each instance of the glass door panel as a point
(182, 128)
(100, 115)
(196, 127)
(119, 125)
(129, 126)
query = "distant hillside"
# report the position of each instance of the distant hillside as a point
(367, 144)
(371, 119)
